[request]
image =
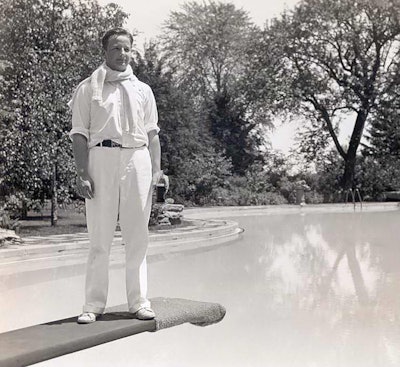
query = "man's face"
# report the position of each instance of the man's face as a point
(118, 52)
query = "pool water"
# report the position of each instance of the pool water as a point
(300, 290)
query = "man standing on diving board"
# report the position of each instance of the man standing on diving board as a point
(117, 154)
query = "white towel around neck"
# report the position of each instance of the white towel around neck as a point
(129, 83)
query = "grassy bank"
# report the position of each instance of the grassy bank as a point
(69, 221)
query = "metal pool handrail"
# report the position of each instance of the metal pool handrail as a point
(354, 192)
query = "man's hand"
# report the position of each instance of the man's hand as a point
(85, 187)
(160, 176)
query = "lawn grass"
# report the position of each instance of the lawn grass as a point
(39, 224)
(70, 221)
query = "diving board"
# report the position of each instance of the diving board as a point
(38, 343)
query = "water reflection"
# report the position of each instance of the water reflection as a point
(340, 272)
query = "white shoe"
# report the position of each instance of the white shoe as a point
(87, 318)
(145, 313)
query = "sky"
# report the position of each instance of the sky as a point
(147, 17)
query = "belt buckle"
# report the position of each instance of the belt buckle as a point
(109, 144)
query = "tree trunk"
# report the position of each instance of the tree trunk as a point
(24, 210)
(351, 155)
(54, 201)
(349, 170)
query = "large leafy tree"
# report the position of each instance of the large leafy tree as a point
(341, 59)
(211, 47)
(48, 47)
(382, 150)
(188, 155)
(384, 130)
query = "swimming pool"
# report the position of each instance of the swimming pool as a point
(300, 289)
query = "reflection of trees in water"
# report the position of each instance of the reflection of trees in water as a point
(345, 269)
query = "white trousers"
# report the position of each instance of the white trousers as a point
(122, 189)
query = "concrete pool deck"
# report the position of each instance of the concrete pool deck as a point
(197, 233)
(237, 211)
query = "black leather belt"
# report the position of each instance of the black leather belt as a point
(109, 144)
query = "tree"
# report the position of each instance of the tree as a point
(188, 154)
(48, 47)
(341, 59)
(384, 131)
(381, 153)
(211, 47)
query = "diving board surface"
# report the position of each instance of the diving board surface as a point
(38, 343)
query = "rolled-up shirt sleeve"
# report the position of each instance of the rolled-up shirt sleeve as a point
(80, 107)
(150, 112)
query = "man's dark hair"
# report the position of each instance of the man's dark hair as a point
(119, 31)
